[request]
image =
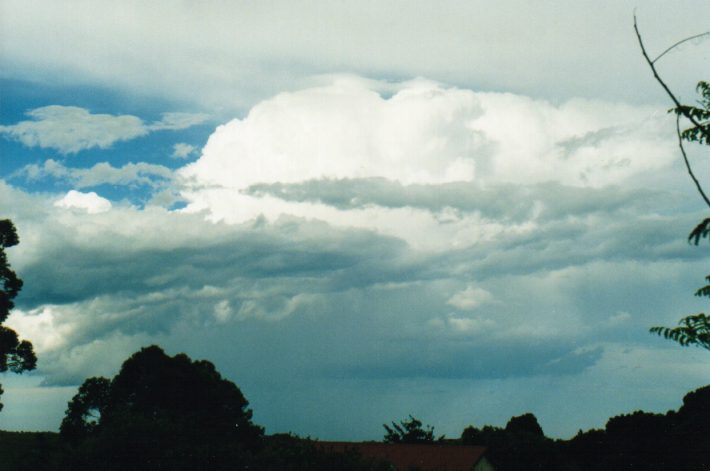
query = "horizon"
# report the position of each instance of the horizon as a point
(357, 211)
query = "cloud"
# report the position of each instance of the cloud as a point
(130, 174)
(182, 150)
(340, 235)
(239, 53)
(296, 302)
(70, 129)
(90, 202)
(436, 166)
(176, 121)
(503, 201)
(470, 298)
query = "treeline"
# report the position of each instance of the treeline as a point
(677, 440)
(172, 413)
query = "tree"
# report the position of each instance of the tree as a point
(409, 431)
(160, 412)
(15, 355)
(521, 445)
(86, 408)
(526, 423)
(693, 329)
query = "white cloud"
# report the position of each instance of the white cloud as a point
(175, 121)
(470, 298)
(130, 174)
(90, 202)
(424, 134)
(43, 325)
(70, 129)
(182, 150)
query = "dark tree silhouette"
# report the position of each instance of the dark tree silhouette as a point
(15, 355)
(520, 446)
(648, 441)
(86, 408)
(693, 329)
(409, 431)
(160, 412)
(526, 423)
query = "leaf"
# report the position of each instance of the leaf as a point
(701, 230)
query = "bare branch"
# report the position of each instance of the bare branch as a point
(679, 43)
(679, 107)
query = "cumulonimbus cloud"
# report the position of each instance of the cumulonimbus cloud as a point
(352, 156)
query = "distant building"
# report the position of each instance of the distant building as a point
(425, 457)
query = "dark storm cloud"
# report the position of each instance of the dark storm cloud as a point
(472, 360)
(78, 272)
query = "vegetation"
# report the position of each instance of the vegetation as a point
(409, 431)
(693, 329)
(639, 440)
(15, 355)
(160, 412)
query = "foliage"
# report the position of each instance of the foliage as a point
(642, 440)
(409, 431)
(286, 452)
(15, 355)
(160, 412)
(29, 451)
(521, 445)
(694, 329)
(86, 408)
(526, 423)
(699, 132)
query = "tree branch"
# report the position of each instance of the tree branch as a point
(679, 106)
(687, 163)
(679, 43)
(679, 109)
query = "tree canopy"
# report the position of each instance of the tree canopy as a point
(409, 431)
(15, 355)
(526, 423)
(160, 412)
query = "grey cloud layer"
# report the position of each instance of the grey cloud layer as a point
(236, 53)
(378, 308)
(502, 201)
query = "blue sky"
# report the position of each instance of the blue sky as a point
(356, 210)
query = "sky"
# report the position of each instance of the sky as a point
(463, 211)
